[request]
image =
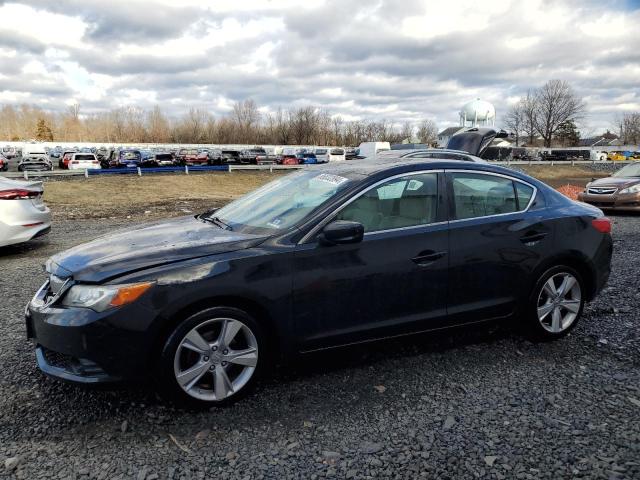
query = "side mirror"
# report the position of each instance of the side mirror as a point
(341, 232)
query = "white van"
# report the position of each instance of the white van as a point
(337, 155)
(371, 149)
(34, 150)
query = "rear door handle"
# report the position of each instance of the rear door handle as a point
(427, 257)
(533, 237)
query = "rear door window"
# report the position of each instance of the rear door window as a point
(482, 195)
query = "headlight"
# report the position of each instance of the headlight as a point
(633, 189)
(103, 297)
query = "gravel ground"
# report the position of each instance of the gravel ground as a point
(470, 403)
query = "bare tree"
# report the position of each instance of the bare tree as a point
(514, 119)
(555, 103)
(157, 126)
(428, 132)
(628, 125)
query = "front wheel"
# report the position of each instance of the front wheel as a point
(212, 358)
(556, 303)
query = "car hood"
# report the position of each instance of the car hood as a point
(147, 246)
(617, 182)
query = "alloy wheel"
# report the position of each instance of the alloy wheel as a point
(559, 302)
(216, 359)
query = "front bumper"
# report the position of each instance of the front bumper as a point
(82, 346)
(629, 202)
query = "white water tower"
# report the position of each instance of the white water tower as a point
(478, 113)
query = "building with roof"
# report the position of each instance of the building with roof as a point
(446, 134)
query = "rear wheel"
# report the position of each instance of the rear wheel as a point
(556, 303)
(212, 358)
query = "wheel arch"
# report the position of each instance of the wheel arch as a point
(576, 260)
(254, 308)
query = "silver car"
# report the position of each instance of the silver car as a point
(23, 215)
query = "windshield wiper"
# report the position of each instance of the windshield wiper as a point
(217, 221)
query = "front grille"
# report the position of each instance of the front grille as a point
(602, 190)
(71, 364)
(59, 360)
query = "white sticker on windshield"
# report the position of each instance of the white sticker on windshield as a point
(275, 223)
(330, 178)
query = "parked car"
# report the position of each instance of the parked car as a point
(616, 156)
(322, 155)
(55, 152)
(35, 162)
(215, 156)
(325, 257)
(165, 159)
(23, 215)
(337, 155)
(230, 156)
(251, 155)
(620, 191)
(351, 153)
(4, 163)
(65, 158)
(9, 152)
(289, 159)
(84, 161)
(127, 158)
(268, 158)
(307, 158)
(188, 156)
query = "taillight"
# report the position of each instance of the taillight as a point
(17, 194)
(602, 224)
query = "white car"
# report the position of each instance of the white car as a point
(23, 215)
(325, 155)
(84, 161)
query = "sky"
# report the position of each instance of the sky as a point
(399, 60)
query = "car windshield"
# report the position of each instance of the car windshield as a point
(632, 170)
(282, 203)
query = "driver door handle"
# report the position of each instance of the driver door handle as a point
(427, 257)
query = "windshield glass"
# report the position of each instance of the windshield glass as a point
(632, 170)
(282, 203)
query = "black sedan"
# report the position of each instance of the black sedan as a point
(317, 259)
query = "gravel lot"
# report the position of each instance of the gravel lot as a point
(472, 403)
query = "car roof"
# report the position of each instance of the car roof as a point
(432, 151)
(360, 169)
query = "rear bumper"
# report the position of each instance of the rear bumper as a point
(13, 221)
(621, 202)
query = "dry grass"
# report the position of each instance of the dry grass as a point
(558, 175)
(151, 196)
(155, 196)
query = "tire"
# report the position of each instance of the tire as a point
(554, 311)
(215, 377)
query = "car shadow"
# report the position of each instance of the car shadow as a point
(23, 248)
(372, 353)
(126, 400)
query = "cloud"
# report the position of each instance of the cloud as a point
(402, 60)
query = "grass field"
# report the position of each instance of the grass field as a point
(155, 196)
(152, 196)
